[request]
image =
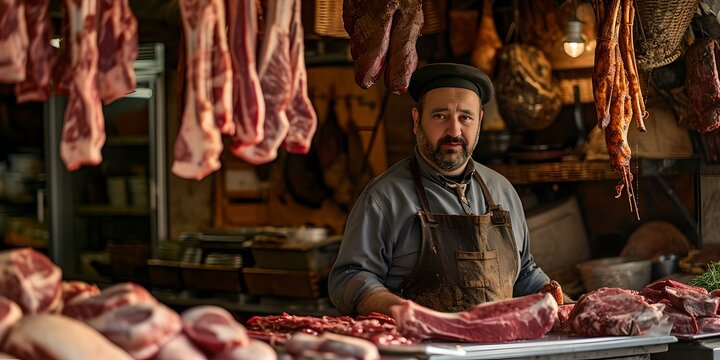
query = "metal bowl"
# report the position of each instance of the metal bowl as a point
(620, 272)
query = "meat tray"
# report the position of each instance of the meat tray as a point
(296, 255)
(691, 337)
(289, 283)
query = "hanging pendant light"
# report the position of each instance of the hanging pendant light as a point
(574, 43)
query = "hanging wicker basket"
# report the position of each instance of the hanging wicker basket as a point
(661, 28)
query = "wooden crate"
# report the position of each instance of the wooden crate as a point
(288, 283)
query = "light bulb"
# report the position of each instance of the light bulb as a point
(574, 44)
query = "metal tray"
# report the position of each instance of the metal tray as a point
(691, 337)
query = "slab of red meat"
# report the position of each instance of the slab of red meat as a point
(30, 279)
(275, 73)
(254, 350)
(139, 329)
(306, 346)
(118, 44)
(36, 86)
(522, 318)
(248, 102)
(708, 324)
(703, 84)
(198, 144)
(179, 347)
(563, 316)
(10, 314)
(213, 328)
(694, 303)
(383, 31)
(222, 77)
(110, 298)
(300, 113)
(83, 132)
(614, 312)
(13, 41)
(55, 337)
(72, 290)
(682, 322)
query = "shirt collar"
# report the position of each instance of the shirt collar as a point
(427, 171)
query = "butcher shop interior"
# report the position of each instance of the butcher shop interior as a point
(359, 179)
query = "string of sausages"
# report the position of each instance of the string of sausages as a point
(618, 98)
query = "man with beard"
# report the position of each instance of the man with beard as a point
(437, 228)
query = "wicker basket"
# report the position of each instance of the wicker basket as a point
(622, 272)
(662, 24)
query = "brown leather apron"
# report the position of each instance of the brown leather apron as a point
(464, 260)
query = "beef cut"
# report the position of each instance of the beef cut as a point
(300, 113)
(180, 347)
(522, 318)
(254, 350)
(13, 41)
(55, 337)
(614, 312)
(703, 85)
(30, 279)
(382, 37)
(83, 132)
(118, 46)
(693, 303)
(248, 102)
(36, 86)
(139, 329)
(213, 328)
(304, 346)
(198, 144)
(110, 298)
(72, 290)
(275, 73)
(10, 314)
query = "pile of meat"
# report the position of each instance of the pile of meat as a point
(618, 98)
(99, 45)
(614, 311)
(262, 103)
(43, 317)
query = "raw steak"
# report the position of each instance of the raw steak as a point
(308, 346)
(275, 72)
(213, 328)
(614, 312)
(300, 112)
(198, 144)
(36, 86)
(694, 303)
(13, 41)
(72, 290)
(118, 43)
(139, 329)
(248, 102)
(83, 132)
(110, 298)
(55, 337)
(522, 318)
(709, 324)
(682, 322)
(31, 280)
(179, 348)
(254, 350)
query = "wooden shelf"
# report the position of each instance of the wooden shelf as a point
(131, 140)
(109, 210)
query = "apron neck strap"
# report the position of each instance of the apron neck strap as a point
(420, 189)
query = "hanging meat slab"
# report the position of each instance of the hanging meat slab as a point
(198, 144)
(118, 42)
(603, 77)
(275, 73)
(383, 32)
(13, 41)
(222, 78)
(300, 112)
(83, 132)
(248, 102)
(487, 41)
(703, 84)
(36, 86)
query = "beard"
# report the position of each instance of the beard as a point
(449, 159)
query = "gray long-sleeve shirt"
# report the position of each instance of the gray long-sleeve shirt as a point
(382, 238)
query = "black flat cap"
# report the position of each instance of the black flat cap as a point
(438, 75)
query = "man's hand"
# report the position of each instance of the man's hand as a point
(379, 300)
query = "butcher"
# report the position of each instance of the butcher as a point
(437, 228)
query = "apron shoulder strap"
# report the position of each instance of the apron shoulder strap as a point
(420, 189)
(499, 215)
